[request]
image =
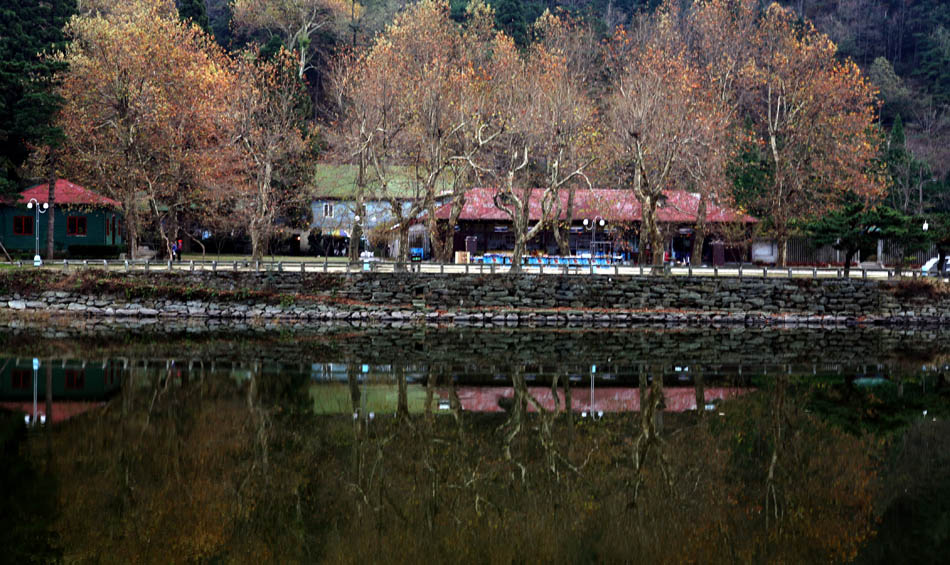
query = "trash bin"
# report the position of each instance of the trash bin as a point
(471, 244)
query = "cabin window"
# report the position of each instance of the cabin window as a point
(76, 225)
(327, 210)
(75, 379)
(22, 225)
(20, 379)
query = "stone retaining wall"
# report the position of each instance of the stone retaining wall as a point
(529, 299)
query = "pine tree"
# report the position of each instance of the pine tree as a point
(195, 11)
(28, 101)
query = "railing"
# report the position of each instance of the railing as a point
(744, 271)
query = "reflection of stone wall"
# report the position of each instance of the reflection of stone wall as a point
(547, 299)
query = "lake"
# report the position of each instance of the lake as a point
(360, 444)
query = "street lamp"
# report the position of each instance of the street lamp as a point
(35, 204)
(591, 225)
(594, 415)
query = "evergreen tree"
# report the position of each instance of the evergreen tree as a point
(851, 229)
(195, 11)
(28, 101)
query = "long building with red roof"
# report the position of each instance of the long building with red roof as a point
(613, 220)
(85, 223)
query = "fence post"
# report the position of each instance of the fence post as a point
(814, 272)
(616, 269)
(592, 265)
(126, 265)
(493, 268)
(303, 266)
(715, 271)
(765, 272)
(441, 268)
(641, 269)
(257, 266)
(191, 265)
(214, 266)
(324, 266)
(466, 268)
(66, 264)
(147, 261)
(789, 272)
(280, 266)
(105, 264)
(740, 270)
(689, 272)
(864, 273)
(169, 265)
(85, 263)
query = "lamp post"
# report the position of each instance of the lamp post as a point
(591, 225)
(34, 204)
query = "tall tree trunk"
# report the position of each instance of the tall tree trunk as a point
(848, 257)
(699, 231)
(652, 229)
(51, 213)
(354, 250)
(942, 261)
(782, 241)
(403, 255)
(131, 227)
(562, 233)
(257, 251)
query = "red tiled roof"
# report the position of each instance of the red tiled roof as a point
(611, 204)
(608, 399)
(67, 193)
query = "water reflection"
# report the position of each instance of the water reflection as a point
(485, 446)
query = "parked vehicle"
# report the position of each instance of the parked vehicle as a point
(932, 269)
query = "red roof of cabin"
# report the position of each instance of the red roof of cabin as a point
(67, 193)
(611, 204)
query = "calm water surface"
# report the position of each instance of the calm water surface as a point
(375, 445)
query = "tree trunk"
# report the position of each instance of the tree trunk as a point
(942, 261)
(257, 237)
(353, 252)
(782, 241)
(848, 257)
(699, 232)
(50, 213)
(649, 225)
(403, 255)
(562, 233)
(131, 228)
(518, 252)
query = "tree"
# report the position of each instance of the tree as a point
(660, 117)
(852, 228)
(811, 116)
(268, 141)
(131, 132)
(296, 22)
(194, 11)
(28, 77)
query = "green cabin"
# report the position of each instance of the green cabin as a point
(86, 224)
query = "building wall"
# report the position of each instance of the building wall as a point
(344, 213)
(95, 228)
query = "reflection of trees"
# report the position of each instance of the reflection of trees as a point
(181, 470)
(222, 466)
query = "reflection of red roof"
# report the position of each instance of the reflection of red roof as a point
(611, 204)
(62, 410)
(67, 193)
(606, 399)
